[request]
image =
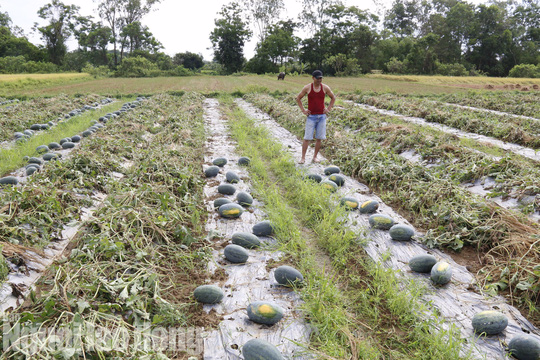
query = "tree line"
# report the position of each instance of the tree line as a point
(447, 37)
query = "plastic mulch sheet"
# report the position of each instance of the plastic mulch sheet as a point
(456, 302)
(246, 282)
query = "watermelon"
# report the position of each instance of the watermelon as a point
(42, 149)
(422, 263)
(87, 133)
(65, 140)
(220, 162)
(381, 221)
(369, 207)
(288, 276)
(263, 312)
(31, 170)
(244, 161)
(75, 138)
(68, 145)
(264, 228)
(331, 170)
(221, 201)
(226, 189)
(257, 349)
(400, 232)
(9, 180)
(211, 171)
(230, 211)
(49, 156)
(208, 294)
(246, 240)
(349, 203)
(231, 177)
(54, 146)
(244, 199)
(235, 254)
(35, 160)
(338, 179)
(329, 185)
(524, 347)
(489, 322)
(35, 127)
(441, 273)
(314, 177)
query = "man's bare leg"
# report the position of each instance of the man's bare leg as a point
(317, 148)
(305, 145)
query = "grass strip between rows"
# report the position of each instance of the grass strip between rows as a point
(359, 309)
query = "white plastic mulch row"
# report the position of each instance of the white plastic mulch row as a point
(456, 302)
(247, 282)
(515, 148)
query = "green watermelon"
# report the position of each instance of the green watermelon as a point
(235, 254)
(314, 177)
(338, 179)
(349, 203)
(264, 228)
(230, 211)
(524, 347)
(42, 149)
(381, 221)
(369, 207)
(489, 322)
(257, 349)
(288, 276)
(226, 189)
(263, 312)
(400, 232)
(422, 263)
(329, 185)
(244, 199)
(211, 171)
(231, 177)
(331, 170)
(441, 273)
(244, 161)
(9, 180)
(220, 162)
(221, 201)
(246, 240)
(208, 294)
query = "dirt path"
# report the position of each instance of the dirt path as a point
(456, 302)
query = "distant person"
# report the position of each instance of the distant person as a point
(281, 76)
(316, 113)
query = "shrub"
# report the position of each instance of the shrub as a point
(525, 71)
(136, 66)
(451, 70)
(395, 66)
(96, 71)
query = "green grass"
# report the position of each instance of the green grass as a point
(12, 158)
(353, 312)
(220, 84)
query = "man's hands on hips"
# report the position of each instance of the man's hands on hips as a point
(306, 112)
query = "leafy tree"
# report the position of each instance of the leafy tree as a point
(189, 60)
(121, 13)
(94, 40)
(229, 36)
(402, 17)
(61, 19)
(136, 36)
(313, 14)
(11, 45)
(264, 14)
(136, 66)
(280, 43)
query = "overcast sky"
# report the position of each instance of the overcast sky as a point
(178, 24)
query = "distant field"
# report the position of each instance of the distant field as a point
(70, 84)
(208, 84)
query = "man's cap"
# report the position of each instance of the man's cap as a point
(317, 74)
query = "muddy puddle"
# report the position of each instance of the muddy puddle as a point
(515, 148)
(456, 302)
(250, 281)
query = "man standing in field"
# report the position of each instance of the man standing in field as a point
(316, 113)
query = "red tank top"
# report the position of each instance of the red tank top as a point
(316, 101)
